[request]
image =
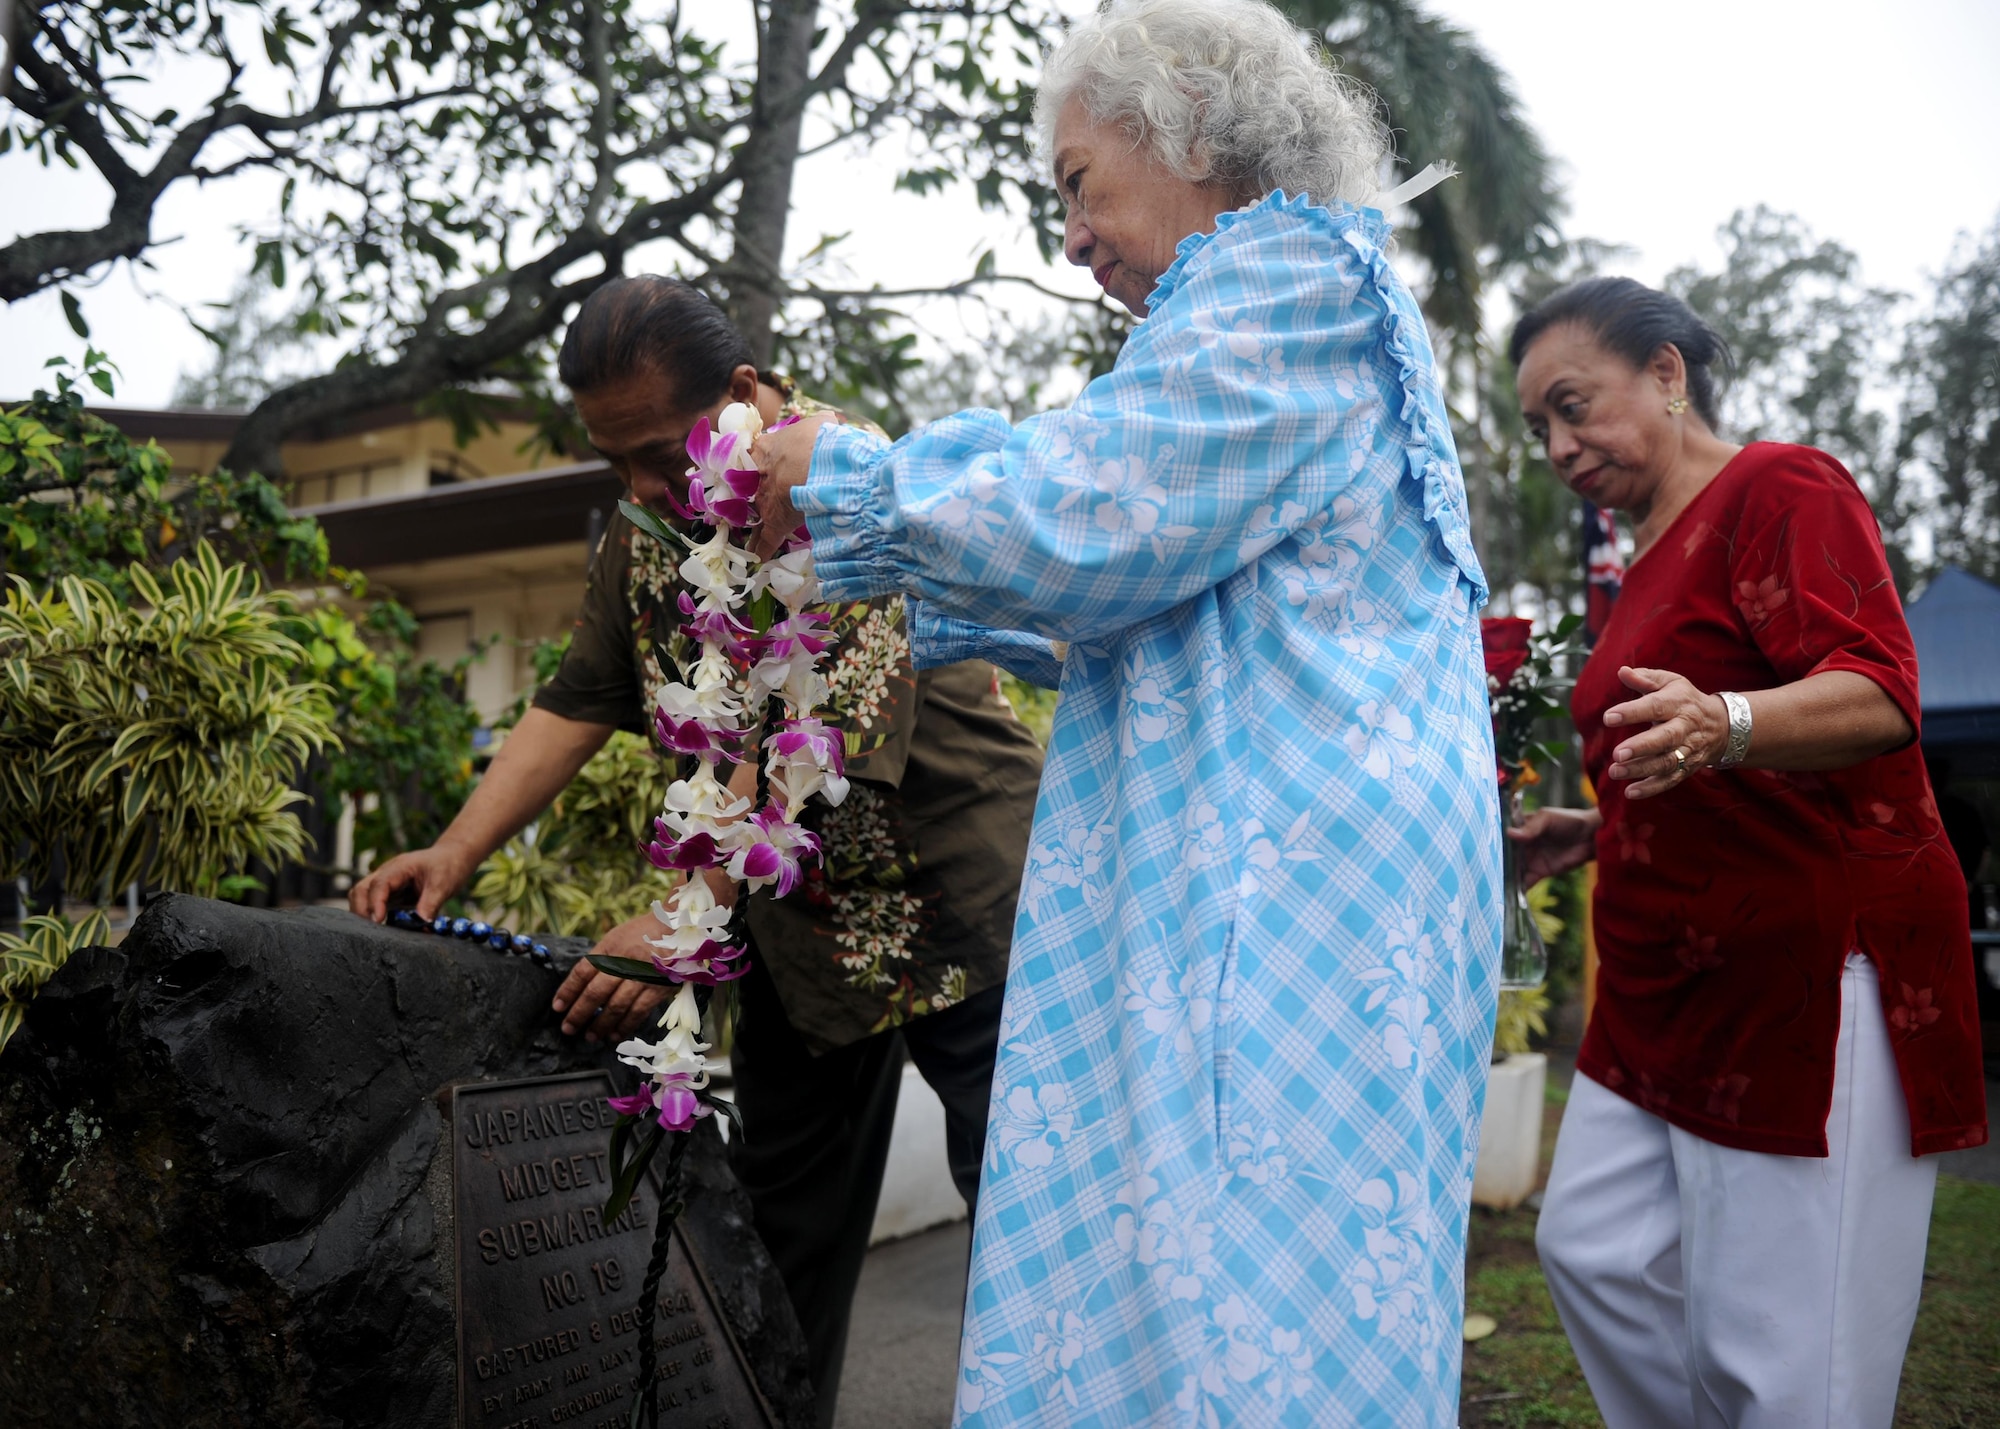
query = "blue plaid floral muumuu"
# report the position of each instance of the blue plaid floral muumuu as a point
(1229, 1162)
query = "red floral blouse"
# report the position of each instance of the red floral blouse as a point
(1726, 907)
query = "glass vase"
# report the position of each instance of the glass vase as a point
(1524, 959)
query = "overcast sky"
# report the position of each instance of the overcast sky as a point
(1878, 123)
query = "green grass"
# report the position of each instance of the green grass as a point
(1952, 1375)
(1524, 1376)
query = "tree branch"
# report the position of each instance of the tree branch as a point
(436, 356)
(36, 261)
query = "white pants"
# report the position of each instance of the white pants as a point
(1705, 1286)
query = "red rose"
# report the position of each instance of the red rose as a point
(1505, 639)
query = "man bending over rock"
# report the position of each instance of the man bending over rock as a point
(897, 942)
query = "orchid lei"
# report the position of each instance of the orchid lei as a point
(753, 639)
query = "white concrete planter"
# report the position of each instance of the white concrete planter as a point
(917, 1189)
(1510, 1137)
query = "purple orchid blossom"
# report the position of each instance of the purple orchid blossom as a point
(711, 964)
(692, 736)
(717, 627)
(688, 855)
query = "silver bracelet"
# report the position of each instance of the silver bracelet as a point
(1739, 730)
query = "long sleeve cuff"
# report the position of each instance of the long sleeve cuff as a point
(938, 639)
(849, 506)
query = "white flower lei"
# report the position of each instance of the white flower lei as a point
(735, 622)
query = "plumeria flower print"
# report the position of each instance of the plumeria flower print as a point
(1056, 1349)
(1206, 839)
(981, 1373)
(1263, 856)
(1256, 1156)
(1154, 709)
(1634, 842)
(1033, 1123)
(969, 513)
(1392, 1218)
(1697, 951)
(1383, 740)
(1760, 600)
(1397, 988)
(1915, 1011)
(1070, 855)
(1185, 1255)
(1167, 1005)
(1239, 1355)
(1725, 1095)
(1268, 526)
(1132, 501)
(1344, 535)
(1410, 1039)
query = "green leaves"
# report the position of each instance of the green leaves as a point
(73, 310)
(582, 872)
(79, 497)
(631, 969)
(652, 525)
(26, 962)
(629, 1163)
(153, 734)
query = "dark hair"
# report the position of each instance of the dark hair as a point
(652, 324)
(1634, 321)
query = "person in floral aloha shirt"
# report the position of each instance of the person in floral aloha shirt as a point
(897, 941)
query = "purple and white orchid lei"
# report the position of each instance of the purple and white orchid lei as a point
(747, 652)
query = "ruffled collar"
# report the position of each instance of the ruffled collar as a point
(1337, 219)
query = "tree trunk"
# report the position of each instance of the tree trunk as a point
(770, 154)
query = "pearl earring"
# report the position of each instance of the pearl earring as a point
(1677, 406)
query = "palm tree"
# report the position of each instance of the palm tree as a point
(1446, 99)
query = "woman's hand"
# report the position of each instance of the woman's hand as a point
(1680, 718)
(784, 455)
(1555, 841)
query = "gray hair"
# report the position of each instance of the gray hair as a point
(1227, 92)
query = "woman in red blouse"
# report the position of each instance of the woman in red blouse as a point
(1785, 1024)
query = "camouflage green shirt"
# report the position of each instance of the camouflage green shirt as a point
(912, 907)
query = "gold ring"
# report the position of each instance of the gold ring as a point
(1680, 761)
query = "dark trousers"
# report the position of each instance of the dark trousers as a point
(816, 1136)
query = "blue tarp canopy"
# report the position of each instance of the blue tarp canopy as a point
(1956, 624)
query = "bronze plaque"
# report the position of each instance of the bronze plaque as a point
(548, 1295)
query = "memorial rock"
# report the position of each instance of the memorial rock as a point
(226, 1189)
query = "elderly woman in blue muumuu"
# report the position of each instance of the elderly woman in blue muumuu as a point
(1244, 1054)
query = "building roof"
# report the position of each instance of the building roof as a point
(1956, 626)
(219, 424)
(500, 513)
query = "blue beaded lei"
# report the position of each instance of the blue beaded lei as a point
(519, 945)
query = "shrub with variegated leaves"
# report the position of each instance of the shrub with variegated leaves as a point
(155, 737)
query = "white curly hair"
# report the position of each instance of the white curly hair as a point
(1228, 92)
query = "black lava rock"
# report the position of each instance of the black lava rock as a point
(225, 1177)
